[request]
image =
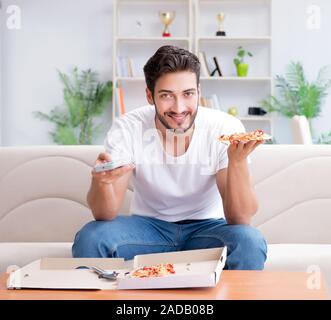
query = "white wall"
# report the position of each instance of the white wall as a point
(63, 33)
(292, 40)
(54, 35)
(1, 37)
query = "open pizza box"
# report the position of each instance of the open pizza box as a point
(193, 268)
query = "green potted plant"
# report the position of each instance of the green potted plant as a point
(239, 61)
(296, 95)
(85, 98)
(324, 138)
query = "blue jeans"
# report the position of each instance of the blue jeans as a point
(127, 236)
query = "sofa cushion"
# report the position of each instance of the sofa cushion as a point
(292, 186)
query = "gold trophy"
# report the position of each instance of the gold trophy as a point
(221, 17)
(167, 17)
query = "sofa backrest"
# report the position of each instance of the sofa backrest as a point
(43, 192)
(293, 184)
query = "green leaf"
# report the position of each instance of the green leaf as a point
(241, 53)
(102, 97)
(65, 136)
(295, 75)
(324, 138)
(296, 95)
(84, 99)
(66, 82)
(41, 115)
(236, 61)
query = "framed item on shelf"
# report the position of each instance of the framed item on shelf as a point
(217, 68)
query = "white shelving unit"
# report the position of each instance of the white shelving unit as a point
(152, 39)
(238, 79)
(138, 34)
(234, 39)
(247, 23)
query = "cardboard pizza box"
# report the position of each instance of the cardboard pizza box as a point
(193, 268)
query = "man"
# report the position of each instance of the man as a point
(190, 190)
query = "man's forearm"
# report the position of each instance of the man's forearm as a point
(240, 199)
(102, 200)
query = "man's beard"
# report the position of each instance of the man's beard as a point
(177, 130)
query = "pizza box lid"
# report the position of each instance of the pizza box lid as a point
(194, 268)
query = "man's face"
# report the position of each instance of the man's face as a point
(176, 97)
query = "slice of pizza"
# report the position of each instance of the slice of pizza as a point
(157, 270)
(257, 135)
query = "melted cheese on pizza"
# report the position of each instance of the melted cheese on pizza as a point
(158, 270)
(257, 135)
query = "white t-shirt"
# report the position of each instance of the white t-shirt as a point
(173, 188)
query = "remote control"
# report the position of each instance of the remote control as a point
(110, 165)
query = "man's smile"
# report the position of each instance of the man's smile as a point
(178, 118)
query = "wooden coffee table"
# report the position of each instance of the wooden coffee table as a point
(233, 285)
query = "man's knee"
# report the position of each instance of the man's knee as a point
(250, 237)
(88, 241)
(250, 247)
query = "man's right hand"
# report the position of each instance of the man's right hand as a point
(109, 176)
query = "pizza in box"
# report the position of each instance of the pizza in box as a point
(158, 270)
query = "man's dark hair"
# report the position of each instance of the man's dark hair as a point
(169, 59)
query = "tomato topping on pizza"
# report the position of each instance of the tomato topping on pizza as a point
(257, 135)
(158, 270)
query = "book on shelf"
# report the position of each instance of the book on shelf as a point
(210, 65)
(210, 102)
(119, 67)
(204, 64)
(215, 102)
(131, 67)
(125, 66)
(119, 101)
(202, 102)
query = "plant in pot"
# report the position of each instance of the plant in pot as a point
(239, 61)
(296, 95)
(324, 138)
(85, 98)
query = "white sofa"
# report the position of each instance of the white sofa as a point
(43, 203)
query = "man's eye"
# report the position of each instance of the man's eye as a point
(189, 94)
(165, 96)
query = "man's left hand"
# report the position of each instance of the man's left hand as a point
(238, 151)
